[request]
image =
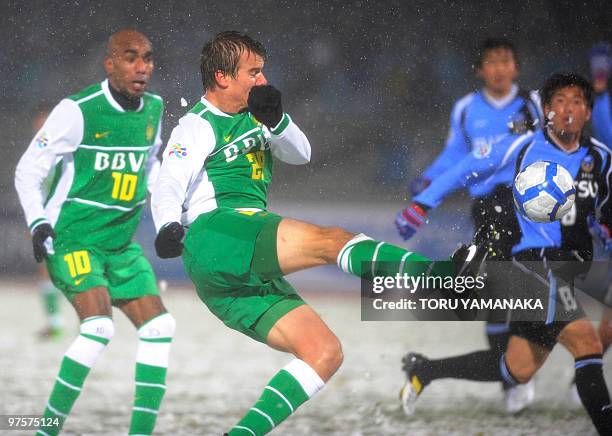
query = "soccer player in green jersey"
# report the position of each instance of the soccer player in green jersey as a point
(103, 143)
(214, 179)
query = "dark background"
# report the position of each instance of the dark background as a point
(370, 83)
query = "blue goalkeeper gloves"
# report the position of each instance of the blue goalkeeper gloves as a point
(601, 232)
(409, 220)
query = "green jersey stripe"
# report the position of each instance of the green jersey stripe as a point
(127, 148)
(235, 140)
(106, 206)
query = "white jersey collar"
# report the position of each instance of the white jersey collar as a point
(112, 101)
(499, 103)
(213, 108)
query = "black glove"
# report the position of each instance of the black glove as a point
(265, 105)
(39, 236)
(168, 242)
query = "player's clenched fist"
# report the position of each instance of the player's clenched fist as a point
(265, 104)
(169, 241)
(39, 236)
(409, 220)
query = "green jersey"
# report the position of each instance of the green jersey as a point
(214, 159)
(102, 155)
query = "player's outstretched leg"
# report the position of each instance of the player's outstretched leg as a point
(365, 257)
(96, 332)
(516, 397)
(318, 356)
(420, 371)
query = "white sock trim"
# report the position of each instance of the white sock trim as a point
(68, 385)
(156, 353)
(265, 415)
(101, 326)
(145, 410)
(343, 256)
(281, 396)
(151, 385)
(162, 326)
(55, 411)
(403, 262)
(305, 376)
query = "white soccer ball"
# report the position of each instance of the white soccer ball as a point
(544, 191)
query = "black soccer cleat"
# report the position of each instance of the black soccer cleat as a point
(411, 364)
(469, 260)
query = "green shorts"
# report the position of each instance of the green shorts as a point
(125, 273)
(231, 258)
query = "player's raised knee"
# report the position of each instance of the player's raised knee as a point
(331, 354)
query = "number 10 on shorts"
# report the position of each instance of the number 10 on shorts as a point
(78, 263)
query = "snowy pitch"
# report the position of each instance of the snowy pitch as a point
(216, 374)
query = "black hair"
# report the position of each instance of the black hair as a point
(222, 53)
(494, 44)
(558, 81)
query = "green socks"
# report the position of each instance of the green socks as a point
(286, 391)
(96, 333)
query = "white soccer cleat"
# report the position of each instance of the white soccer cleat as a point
(413, 387)
(520, 396)
(408, 397)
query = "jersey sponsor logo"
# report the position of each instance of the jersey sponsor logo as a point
(587, 164)
(232, 151)
(178, 151)
(77, 282)
(587, 188)
(99, 135)
(118, 162)
(227, 138)
(42, 140)
(482, 146)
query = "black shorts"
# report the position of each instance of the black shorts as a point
(555, 288)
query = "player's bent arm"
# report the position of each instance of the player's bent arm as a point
(288, 142)
(450, 180)
(153, 164)
(183, 159)
(61, 134)
(472, 167)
